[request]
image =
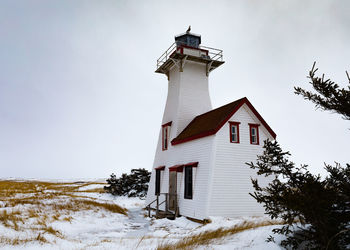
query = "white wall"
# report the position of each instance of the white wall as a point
(231, 182)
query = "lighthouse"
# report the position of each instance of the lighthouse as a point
(199, 166)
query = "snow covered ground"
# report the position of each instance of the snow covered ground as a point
(43, 215)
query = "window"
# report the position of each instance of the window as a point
(165, 135)
(254, 133)
(158, 172)
(157, 181)
(234, 132)
(188, 182)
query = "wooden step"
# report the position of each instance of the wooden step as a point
(163, 214)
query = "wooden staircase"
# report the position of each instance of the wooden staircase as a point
(171, 207)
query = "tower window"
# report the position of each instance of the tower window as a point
(254, 133)
(234, 132)
(165, 135)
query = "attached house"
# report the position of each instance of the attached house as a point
(200, 166)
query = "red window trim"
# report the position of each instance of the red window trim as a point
(160, 168)
(180, 167)
(230, 130)
(254, 125)
(177, 168)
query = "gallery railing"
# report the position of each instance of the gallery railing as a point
(212, 53)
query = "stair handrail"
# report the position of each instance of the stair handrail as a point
(158, 204)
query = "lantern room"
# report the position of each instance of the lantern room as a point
(187, 47)
(188, 39)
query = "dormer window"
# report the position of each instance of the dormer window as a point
(165, 135)
(234, 132)
(254, 133)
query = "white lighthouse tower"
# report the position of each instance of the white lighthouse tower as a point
(187, 65)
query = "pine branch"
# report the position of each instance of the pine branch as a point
(329, 96)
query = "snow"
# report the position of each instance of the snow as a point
(91, 186)
(254, 239)
(102, 229)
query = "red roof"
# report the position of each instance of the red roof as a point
(209, 123)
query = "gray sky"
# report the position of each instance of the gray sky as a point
(79, 97)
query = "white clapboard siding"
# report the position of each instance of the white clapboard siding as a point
(188, 96)
(231, 181)
(193, 94)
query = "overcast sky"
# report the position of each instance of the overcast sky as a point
(79, 97)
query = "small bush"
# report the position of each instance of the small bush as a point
(131, 185)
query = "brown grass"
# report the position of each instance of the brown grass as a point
(45, 202)
(11, 219)
(51, 230)
(107, 206)
(68, 219)
(41, 238)
(18, 241)
(207, 237)
(94, 190)
(10, 188)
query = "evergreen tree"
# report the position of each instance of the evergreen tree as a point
(132, 185)
(295, 195)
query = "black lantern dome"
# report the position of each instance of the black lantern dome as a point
(188, 39)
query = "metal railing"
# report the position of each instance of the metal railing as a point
(166, 201)
(214, 54)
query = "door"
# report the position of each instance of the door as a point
(172, 190)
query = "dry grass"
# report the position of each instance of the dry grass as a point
(106, 206)
(202, 239)
(93, 190)
(21, 241)
(51, 230)
(31, 206)
(18, 241)
(11, 219)
(68, 219)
